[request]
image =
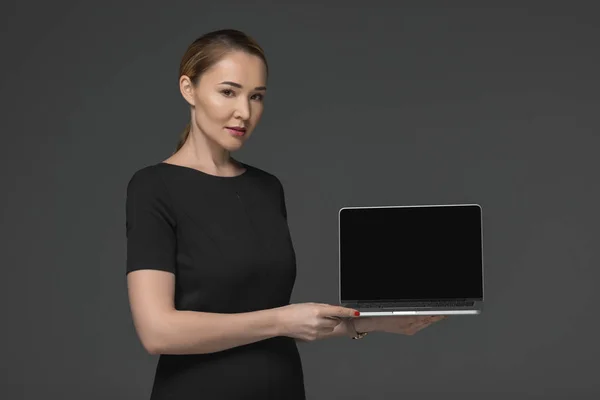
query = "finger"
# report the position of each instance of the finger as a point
(425, 323)
(331, 323)
(427, 320)
(333, 319)
(436, 318)
(417, 327)
(341, 312)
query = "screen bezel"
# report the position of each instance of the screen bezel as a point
(349, 301)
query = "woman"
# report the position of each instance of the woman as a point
(210, 261)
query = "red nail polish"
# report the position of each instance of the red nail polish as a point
(356, 313)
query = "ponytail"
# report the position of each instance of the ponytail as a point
(183, 137)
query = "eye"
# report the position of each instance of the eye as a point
(227, 92)
(258, 97)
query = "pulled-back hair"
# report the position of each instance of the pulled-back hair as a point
(209, 49)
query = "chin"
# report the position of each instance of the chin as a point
(229, 146)
(232, 149)
(233, 144)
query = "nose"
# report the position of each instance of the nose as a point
(242, 109)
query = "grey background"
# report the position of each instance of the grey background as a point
(368, 104)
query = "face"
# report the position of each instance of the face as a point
(227, 103)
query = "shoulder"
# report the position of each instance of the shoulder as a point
(263, 175)
(266, 179)
(147, 194)
(145, 180)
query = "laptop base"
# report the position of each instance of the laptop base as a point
(371, 313)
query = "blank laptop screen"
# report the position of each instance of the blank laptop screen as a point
(411, 253)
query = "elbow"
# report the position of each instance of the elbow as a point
(154, 351)
(155, 346)
(152, 348)
(153, 341)
(151, 344)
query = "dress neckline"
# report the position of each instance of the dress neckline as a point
(220, 177)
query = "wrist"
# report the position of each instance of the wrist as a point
(275, 321)
(365, 324)
(349, 329)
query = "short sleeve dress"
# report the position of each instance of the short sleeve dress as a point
(226, 240)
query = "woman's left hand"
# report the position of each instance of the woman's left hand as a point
(406, 324)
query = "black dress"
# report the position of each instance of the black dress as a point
(227, 241)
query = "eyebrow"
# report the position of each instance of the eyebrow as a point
(237, 85)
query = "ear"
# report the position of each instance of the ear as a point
(186, 87)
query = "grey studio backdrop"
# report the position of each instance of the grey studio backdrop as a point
(368, 104)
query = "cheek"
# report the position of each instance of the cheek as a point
(257, 110)
(214, 110)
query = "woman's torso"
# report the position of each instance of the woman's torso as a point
(234, 255)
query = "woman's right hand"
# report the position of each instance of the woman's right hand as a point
(311, 321)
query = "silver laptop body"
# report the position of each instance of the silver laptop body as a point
(411, 260)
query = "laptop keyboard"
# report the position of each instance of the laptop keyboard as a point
(418, 304)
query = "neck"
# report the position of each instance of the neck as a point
(201, 151)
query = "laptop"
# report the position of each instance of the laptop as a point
(411, 260)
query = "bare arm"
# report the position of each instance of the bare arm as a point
(164, 330)
(349, 327)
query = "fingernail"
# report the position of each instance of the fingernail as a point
(357, 313)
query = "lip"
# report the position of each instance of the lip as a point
(236, 131)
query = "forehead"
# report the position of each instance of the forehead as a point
(240, 67)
